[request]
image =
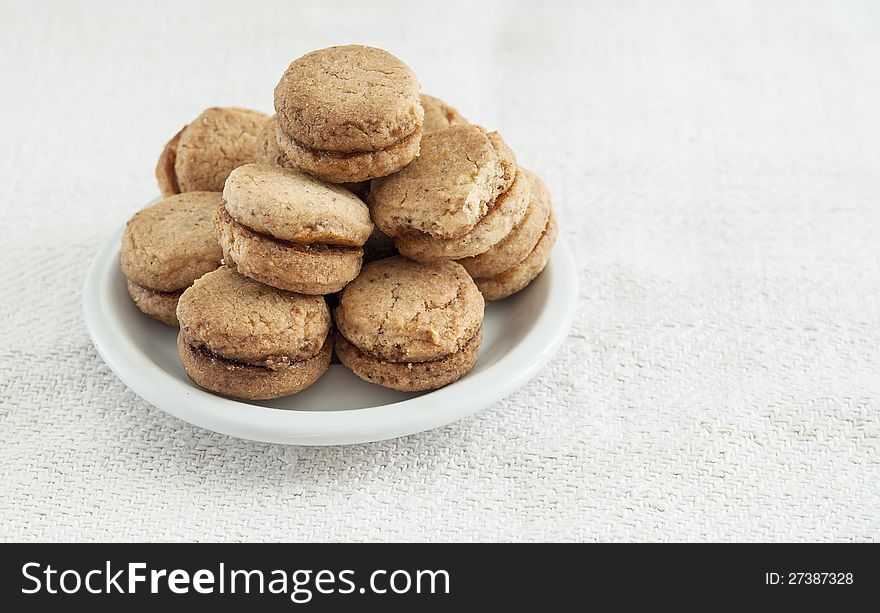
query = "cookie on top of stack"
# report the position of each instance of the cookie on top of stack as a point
(349, 113)
(292, 225)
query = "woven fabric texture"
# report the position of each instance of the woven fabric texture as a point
(713, 164)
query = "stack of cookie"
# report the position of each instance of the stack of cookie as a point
(465, 199)
(349, 114)
(354, 166)
(290, 230)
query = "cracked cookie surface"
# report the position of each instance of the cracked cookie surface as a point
(404, 311)
(445, 191)
(505, 213)
(349, 98)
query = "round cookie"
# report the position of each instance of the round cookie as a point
(167, 246)
(403, 311)
(290, 230)
(410, 376)
(505, 213)
(348, 98)
(438, 114)
(270, 152)
(449, 188)
(349, 113)
(522, 239)
(202, 154)
(520, 275)
(245, 339)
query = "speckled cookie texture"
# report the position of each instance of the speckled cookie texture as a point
(522, 238)
(439, 115)
(520, 275)
(349, 113)
(400, 315)
(204, 152)
(244, 339)
(449, 188)
(504, 214)
(167, 246)
(290, 230)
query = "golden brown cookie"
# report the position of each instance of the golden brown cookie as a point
(349, 113)
(521, 240)
(439, 115)
(291, 230)
(504, 214)
(202, 154)
(449, 188)
(399, 313)
(167, 246)
(520, 275)
(244, 339)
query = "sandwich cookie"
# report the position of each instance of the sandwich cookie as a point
(461, 195)
(167, 246)
(349, 113)
(410, 326)
(201, 155)
(243, 339)
(290, 230)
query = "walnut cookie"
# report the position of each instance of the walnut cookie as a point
(410, 326)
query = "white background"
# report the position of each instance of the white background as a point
(715, 166)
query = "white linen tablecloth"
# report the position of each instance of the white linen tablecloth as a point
(714, 164)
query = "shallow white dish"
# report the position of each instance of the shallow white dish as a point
(520, 335)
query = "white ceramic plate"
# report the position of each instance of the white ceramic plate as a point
(520, 335)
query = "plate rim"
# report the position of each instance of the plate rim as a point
(301, 427)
